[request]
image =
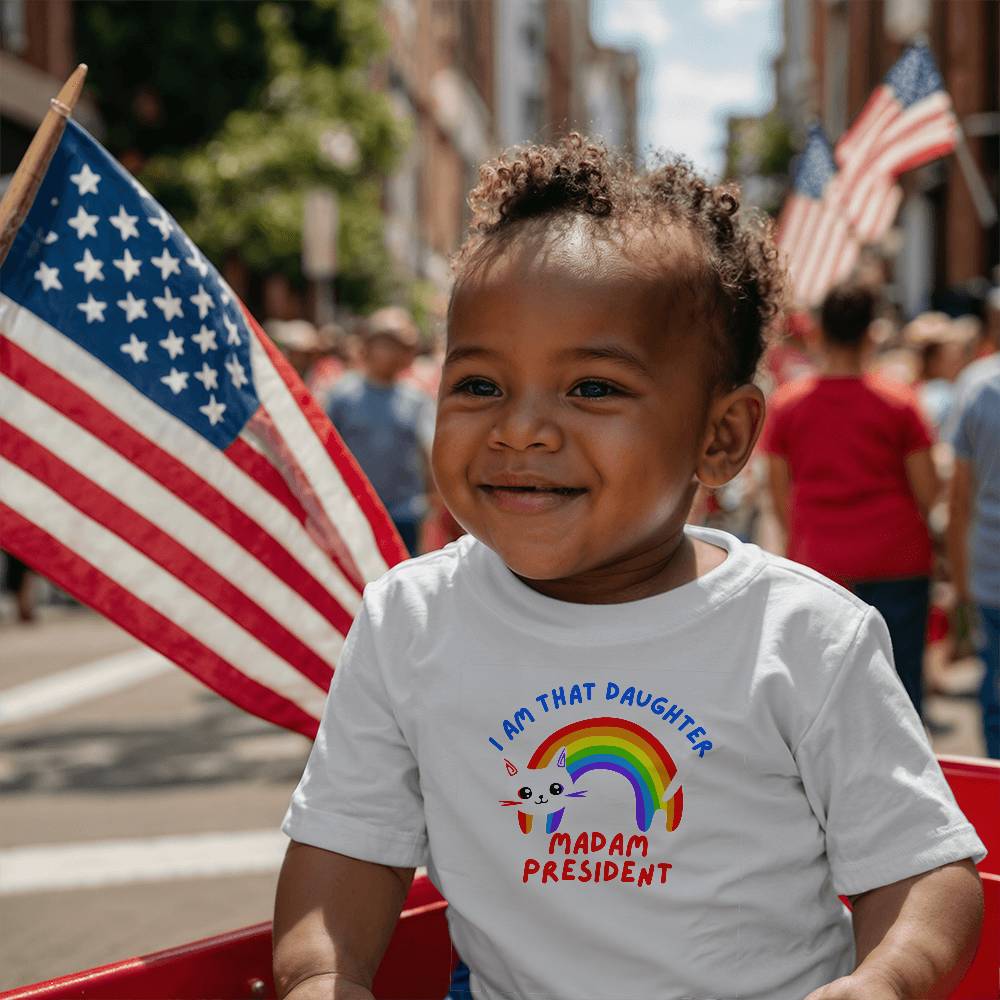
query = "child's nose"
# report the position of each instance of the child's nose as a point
(524, 422)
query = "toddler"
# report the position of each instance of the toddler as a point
(639, 759)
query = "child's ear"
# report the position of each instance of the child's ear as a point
(734, 423)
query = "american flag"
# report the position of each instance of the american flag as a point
(907, 121)
(161, 461)
(813, 235)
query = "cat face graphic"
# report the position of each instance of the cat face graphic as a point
(542, 791)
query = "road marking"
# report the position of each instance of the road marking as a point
(54, 867)
(82, 683)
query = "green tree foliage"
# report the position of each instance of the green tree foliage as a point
(231, 111)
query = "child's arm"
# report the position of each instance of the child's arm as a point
(914, 938)
(333, 919)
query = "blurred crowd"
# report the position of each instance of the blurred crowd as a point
(879, 466)
(376, 377)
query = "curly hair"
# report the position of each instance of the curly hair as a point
(737, 281)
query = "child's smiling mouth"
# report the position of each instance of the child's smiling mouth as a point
(528, 497)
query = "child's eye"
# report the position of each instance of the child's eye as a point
(593, 388)
(476, 386)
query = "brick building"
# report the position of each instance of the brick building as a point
(837, 51)
(475, 76)
(36, 57)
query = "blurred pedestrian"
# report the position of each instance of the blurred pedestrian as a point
(331, 364)
(298, 341)
(388, 425)
(986, 352)
(853, 481)
(19, 580)
(974, 533)
(941, 344)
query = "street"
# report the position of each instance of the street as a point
(141, 811)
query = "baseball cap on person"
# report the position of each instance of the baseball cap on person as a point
(392, 321)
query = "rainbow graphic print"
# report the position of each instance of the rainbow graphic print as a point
(607, 744)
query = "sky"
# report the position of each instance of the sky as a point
(701, 60)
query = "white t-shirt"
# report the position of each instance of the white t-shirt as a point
(708, 768)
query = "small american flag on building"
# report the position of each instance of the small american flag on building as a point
(907, 122)
(813, 235)
(160, 460)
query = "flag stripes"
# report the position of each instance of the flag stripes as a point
(126, 421)
(136, 502)
(24, 536)
(814, 236)
(907, 121)
(339, 487)
(150, 587)
(146, 537)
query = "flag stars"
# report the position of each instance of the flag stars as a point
(90, 267)
(203, 301)
(232, 332)
(162, 223)
(125, 223)
(172, 344)
(205, 339)
(236, 372)
(135, 349)
(169, 304)
(128, 265)
(167, 264)
(208, 377)
(86, 180)
(196, 260)
(93, 309)
(50, 238)
(175, 381)
(134, 308)
(213, 410)
(49, 277)
(84, 224)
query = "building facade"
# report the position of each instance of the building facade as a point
(473, 77)
(837, 51)
(36, 57)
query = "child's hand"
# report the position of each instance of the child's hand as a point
(857, 986)
(329, 986)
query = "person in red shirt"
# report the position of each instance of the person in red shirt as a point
(850, 470)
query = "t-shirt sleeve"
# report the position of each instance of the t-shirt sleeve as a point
(917, 434)
(872, 780)
(360, 792)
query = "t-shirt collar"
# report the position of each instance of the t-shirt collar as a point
(496, 586)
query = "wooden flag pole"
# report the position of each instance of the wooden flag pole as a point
(20, 193)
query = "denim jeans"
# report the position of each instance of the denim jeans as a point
(989, 693)
(904, 604)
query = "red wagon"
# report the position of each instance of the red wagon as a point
(418, 963)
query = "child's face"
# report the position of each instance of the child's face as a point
(572, 411)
